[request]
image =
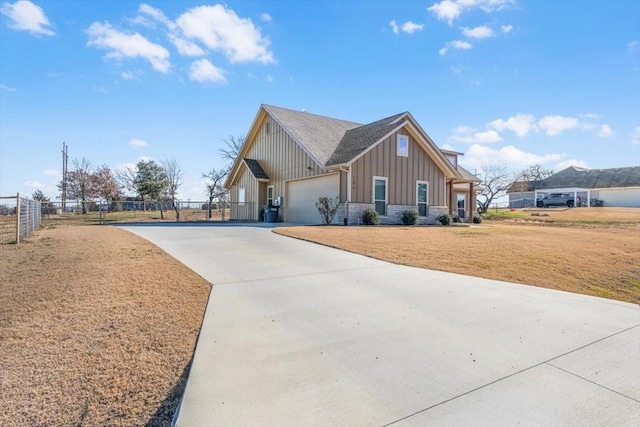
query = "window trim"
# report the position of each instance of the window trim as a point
(418, 182)
(241, 196)
(270, 187)
(386, 192)
(400, 137)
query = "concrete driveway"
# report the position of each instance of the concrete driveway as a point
(297, 334)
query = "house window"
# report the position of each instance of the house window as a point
(422, 197)
(403, 145)
(461, 204)
(270, 195)
(380, 194)
(241, 196)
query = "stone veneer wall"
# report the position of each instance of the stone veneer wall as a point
(394, 213)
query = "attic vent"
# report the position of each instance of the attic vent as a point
(267, 126)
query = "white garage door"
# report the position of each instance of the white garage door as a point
(301, 197)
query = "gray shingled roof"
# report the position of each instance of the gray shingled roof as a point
(468, 176)
(256, 169)
(358, 139)
(318, 135)
(574, 177)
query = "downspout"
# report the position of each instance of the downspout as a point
(346, 203)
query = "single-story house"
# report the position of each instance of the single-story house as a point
(291, 158)
(615, 187)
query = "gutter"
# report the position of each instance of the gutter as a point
(346, 203)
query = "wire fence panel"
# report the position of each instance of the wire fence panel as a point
(104, 212)
(30, 217)
(19, 217)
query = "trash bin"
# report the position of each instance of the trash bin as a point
(271, 213)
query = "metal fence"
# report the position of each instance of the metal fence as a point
(19, 217)
(104, 212)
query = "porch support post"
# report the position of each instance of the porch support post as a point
(451, 197)
(472, 202)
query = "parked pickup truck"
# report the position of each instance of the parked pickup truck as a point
(556, 199)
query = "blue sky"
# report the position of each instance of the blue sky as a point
(506, 82)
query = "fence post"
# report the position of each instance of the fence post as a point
(17, 218)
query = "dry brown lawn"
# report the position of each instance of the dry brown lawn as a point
(97, 327)
(595, 260)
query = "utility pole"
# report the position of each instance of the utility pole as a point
(65, 159)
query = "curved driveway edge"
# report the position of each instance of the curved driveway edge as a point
(298, 334)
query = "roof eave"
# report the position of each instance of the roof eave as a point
(245, 146)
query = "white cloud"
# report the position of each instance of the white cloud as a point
(186, 47)
(411, 27)
(156, 14)
(446, 10)
(27, 16)
(34, 184)
(449, 10)
(121, 167)
(204, 71)
(127, 75)
(633, 45)
(269, 79)
(221, 29)
(55, 173)
(408, 27)
(138, 143)
(7, 88)
(471, 136)
(605, 131)
(570, 162)
(448, 147)
(510, 156)
(635, 136)
(506, 28)
(554, 125)
(594, 116)
(122, 45)
(100, 89)
(520, 124)
(265, 17)
(394, 26)
(481, 32)
(455, 44)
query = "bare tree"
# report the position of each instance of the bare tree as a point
(80, 183)
(533, 173)
(174, 174)
(214, 180)
(495, 183)
(126, 178)
(231, 150)
(105, 185)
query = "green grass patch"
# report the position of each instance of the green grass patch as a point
(499, 214)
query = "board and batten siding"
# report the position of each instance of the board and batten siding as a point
(280, 156)
(402, 173)
(248, 211)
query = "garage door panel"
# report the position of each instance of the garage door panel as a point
(302, 195)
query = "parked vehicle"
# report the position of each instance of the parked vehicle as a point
(556, 199)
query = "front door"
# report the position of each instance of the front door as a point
(462, 205)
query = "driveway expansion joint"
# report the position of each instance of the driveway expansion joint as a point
(546, 362)
(592, 382)
(261, 279)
